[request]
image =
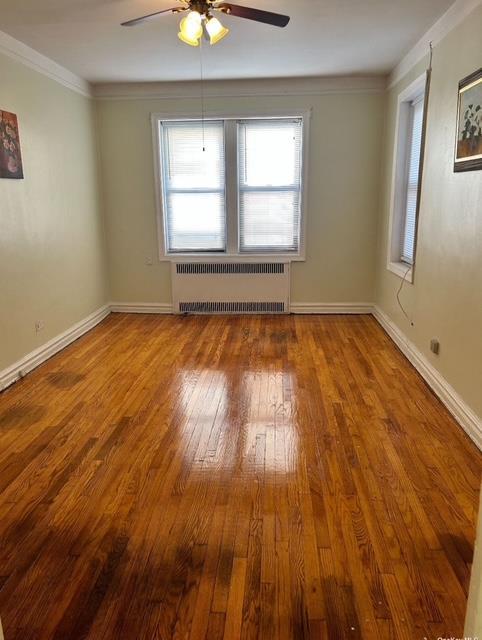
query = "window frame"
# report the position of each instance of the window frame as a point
(232, 253)
(401, 156)
(243, 188)
(167, 191)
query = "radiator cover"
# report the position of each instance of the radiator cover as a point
(230, 287)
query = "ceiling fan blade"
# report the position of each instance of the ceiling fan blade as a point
(132, 23)
(275, 19)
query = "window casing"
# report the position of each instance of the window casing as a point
(406, 178)
(254, 180)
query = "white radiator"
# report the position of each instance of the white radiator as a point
(230, 287)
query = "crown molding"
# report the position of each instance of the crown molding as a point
(437, 32)
(274, 87)
(24, 54)
(307, 86)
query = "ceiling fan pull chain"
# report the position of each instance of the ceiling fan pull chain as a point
(202, 90)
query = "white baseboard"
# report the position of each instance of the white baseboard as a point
(32, 360)
(464, 415)
(295, 307)
(331, 307)
(141, 307)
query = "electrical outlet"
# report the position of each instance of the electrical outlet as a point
(149, 261)
(39, 325)
(435, 346)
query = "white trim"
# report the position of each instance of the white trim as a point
(232, 257)
(323, 308)
(38, 356)
(141, 307)
(437, 32)
(158, 182)
(401, 153)
(228, 115)
(402, 270)
(464, 415)
(306, 115)
(24, 54)
(306, 86)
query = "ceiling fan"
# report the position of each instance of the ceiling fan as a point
(200, 20)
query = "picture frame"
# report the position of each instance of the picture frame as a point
(10, 152)
(468, 141)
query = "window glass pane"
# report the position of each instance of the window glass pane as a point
(268, 220)
(271, 155)
(408, 240)
(197, 223)
(193, 169)
(269, 159)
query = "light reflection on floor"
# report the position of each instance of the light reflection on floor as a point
(257, 434)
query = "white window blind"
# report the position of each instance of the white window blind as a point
(413, 175)
(269, 170)
(193, 169)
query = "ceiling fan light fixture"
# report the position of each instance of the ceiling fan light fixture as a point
(199, 17)
(215, 30)
(190, 29)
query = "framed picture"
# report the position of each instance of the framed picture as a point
(468, 144)
(10, 154)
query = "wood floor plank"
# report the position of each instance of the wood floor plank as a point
(233, 477)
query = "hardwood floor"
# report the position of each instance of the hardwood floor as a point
(218, 477)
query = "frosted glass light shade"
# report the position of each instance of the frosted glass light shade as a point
(216, 30)
(190, 29)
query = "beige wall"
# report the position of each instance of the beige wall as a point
(346, 132)
(445, 300)
(52, 265)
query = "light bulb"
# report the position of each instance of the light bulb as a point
(190, 29)
(193, 19)
(216, 30)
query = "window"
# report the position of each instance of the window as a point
(269, 153)
(406, 179)
(413, 173)
(194, 186)
(231, 186)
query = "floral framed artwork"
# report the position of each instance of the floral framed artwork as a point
(468, 144)
(10, 153)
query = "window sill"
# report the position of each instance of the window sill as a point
(402, 270)
(230, 257)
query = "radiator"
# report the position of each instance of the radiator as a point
(230, 287)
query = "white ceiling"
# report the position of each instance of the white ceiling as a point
(324, 37)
